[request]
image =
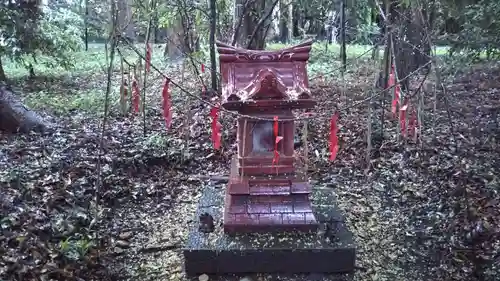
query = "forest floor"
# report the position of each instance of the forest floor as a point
(421, 211)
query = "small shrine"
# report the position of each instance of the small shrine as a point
(265, 191)
(268, 219)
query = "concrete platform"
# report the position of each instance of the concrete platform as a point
(329, 250)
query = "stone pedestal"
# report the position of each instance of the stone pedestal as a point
(328, 250)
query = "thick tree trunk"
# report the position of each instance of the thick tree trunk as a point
(352, 21)
(406, 44)
(15, 116)
(343, 48)
(86, 25)
(213, 27)
(182, 37)
(3, 77)
(299, 22)
(252, 22)
(285, 17)
(289, 23)
(126, 24)
(239, 9)
(176, 46)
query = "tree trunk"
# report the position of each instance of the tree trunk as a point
(175, 47)
(125, 21)
(250, 21)
(255, 21)
(273, 25)
(423, 20)
(376, 18)
(238, 11)
(404, 52)
(213, 27)
(290, 20)
(298, 23)
(352, 21)
(285, 17)
(182, 38)
(86, 25)
(15, 116)
(343, 49)
(154, 31)
(3, 77)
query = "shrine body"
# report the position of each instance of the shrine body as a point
(267, 189)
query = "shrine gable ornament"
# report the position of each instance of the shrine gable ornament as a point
(265, 78)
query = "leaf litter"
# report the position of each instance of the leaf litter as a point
(418, 213)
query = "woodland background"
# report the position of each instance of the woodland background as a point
(93, 190)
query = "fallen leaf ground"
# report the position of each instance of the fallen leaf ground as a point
(426, 211)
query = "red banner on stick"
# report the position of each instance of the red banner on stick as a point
(277, 139)
(397, 90)
(334, 141)
(216, 135)
(392, 78)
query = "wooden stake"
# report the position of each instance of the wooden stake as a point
(187, 132)
(394, 89)
(369, 129)
(148, 35)
(123, 102)
(420, 112)
(306, 149)
(129, 84)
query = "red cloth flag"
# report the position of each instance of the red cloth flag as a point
(395, 101)
(392, 78)
(277, 139)
(216, 135)
(397, 89)
(334, 146)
